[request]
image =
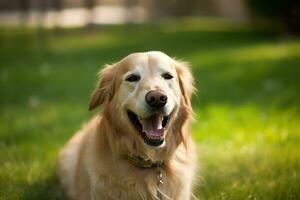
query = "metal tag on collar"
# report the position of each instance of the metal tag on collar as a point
(160, 182)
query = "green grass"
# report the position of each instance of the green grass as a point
(247, 106)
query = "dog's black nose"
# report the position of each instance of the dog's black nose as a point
(156, 98)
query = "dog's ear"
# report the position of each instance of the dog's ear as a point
(105, 88)
(186, 81)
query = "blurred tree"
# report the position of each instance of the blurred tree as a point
(286, 11)
(57, 6)
(129, 4)
(173, 8)
(291, 15)
(42, 7)
(24, 7)
(90, 4)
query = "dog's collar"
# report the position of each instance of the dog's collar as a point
(139, 162)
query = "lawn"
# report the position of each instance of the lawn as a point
(247, 123)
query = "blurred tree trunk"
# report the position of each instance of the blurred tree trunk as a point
(24, 7)
(173, 8)
(42, 7)
(57, 6)
(129, 4)
(90, 4)
(282, 13)
(42, 37)
(291, 16)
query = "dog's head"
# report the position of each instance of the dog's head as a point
(145, 94)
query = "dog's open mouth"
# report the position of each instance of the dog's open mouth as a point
(151, 128)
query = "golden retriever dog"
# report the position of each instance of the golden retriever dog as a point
(139, 147)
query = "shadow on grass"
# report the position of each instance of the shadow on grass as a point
(48, 188)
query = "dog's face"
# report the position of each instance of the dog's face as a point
(146, 90)
(149, 93)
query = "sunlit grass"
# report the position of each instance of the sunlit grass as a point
(247, 152)
(247, 123)
(254, 52)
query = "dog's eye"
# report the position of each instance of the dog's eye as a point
(167, 76)
(133, 78)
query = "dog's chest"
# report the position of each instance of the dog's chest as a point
(113, 190)
(142, 185)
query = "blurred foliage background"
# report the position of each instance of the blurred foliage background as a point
(245, 56)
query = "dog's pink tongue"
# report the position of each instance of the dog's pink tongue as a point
(152, 126)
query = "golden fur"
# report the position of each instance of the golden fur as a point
(93, 164)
